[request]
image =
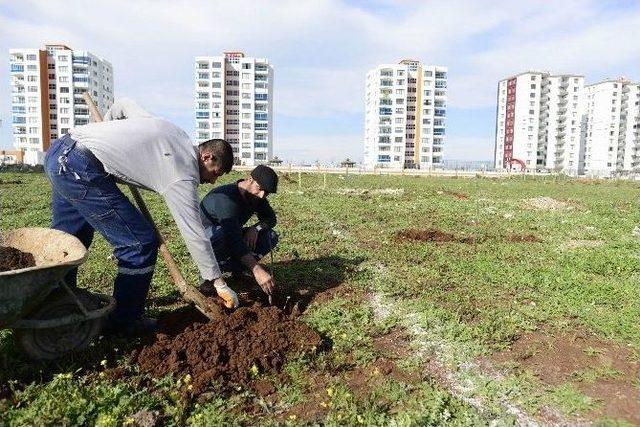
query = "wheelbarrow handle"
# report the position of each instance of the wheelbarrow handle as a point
(188, 292)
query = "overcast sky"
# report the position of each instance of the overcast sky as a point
(321, 51)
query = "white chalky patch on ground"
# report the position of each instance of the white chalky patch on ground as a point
(547, 204)
(576, 244)
(461, 379)
(378, 191)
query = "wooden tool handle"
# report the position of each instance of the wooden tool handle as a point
(188, 292)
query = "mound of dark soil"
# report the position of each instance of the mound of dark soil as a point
(251, 340)
(428, 235)
(459, 196)
(14, 259)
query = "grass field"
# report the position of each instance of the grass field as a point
(525, 309)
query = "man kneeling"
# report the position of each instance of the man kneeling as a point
(226, 209)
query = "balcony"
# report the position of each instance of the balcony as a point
(564, 83)
(562, 110)
(560, 134)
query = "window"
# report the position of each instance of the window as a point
(246, 66)
(216, 65)
(63, 58)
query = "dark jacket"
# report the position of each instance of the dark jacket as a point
(224, 206)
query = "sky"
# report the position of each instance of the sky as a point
(321, 51)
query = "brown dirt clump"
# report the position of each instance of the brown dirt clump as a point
(605, 371)
(428, 235)
(459, 196)
(251, 341)
(15, 259)
(523, 238)
(433, 235)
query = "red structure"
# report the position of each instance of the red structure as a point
(510, 117)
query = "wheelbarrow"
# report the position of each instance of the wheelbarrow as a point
(49, 318)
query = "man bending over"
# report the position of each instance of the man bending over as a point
(132, 146)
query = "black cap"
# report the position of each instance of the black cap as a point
(266, 178)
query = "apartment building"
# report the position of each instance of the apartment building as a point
(611, 128)
(405, 115)
(538, 122)
(234, 101)
(46, 88)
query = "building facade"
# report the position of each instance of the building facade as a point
(538, 122)
(405, 115)
(46, 89)
(611, 128)
(234, 101)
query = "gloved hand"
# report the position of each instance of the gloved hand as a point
(227, 294)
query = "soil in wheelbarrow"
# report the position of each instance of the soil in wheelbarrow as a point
(233, 351)
(14, 259)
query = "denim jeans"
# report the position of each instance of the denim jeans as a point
(86, 198)
(267, 241)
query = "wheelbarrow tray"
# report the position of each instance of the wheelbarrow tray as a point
(55, 253)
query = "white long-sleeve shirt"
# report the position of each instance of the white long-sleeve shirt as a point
(152, 153)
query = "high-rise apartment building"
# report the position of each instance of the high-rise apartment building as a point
(46, 89)
(538, 122)
(612, 128)
(405, 115)
(234, 101)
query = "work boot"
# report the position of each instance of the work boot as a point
(145, 326)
